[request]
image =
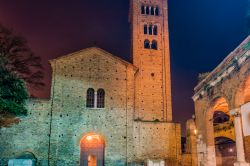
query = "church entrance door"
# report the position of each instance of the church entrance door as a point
(92, 160)
(92, 150)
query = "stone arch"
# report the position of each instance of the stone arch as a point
(92, 149)
(26, 155)
(226, 151)
(218, 103)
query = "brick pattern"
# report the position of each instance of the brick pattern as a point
(32, 131)
(153, 89)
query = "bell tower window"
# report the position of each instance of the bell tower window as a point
(142, 9)
(154, 45)
(145, 29)
(150, 29)
(147, 44)
(157, 11)
(155, 30)
(152, 11)
(147, 10)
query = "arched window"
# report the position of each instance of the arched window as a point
(90, 98)
(142, 9)
(152, 11)
(150, 29)
(157, 11)
(147, 10)
(146, 44)
(154, 45)
(155, 30)
(145, 29)
(100, 98)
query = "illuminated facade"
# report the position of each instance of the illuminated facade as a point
(104, 110)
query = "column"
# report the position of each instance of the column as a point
(211, 156)
(239, 138)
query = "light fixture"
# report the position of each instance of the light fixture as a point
(89, 138)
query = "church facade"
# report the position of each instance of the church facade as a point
(104, 110)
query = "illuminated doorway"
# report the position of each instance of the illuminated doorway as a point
(92, 150)
(92, 160)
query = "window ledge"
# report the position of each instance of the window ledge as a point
(94, 108)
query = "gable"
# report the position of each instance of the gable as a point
(87, 53)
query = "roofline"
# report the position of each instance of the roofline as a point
(96, 48)
(227, 59)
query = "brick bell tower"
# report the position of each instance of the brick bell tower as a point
(156, 139)
(150, 53)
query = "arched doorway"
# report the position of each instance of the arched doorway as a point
(24, 158)
(225, 151)
(219, 126)
(92, 150)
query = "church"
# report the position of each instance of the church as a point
(104, 110)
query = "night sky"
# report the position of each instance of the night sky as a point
(202, 33)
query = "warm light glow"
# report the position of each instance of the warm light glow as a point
(195, 131)
(89, 138)
(230, 150)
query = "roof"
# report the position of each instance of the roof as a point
(98, 51)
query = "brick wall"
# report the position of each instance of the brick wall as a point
(72, 120)
(30, 135)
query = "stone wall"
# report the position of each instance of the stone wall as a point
(72, 120)
(30, 135)
(186, 159)
(54, 129)
(157, 140)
